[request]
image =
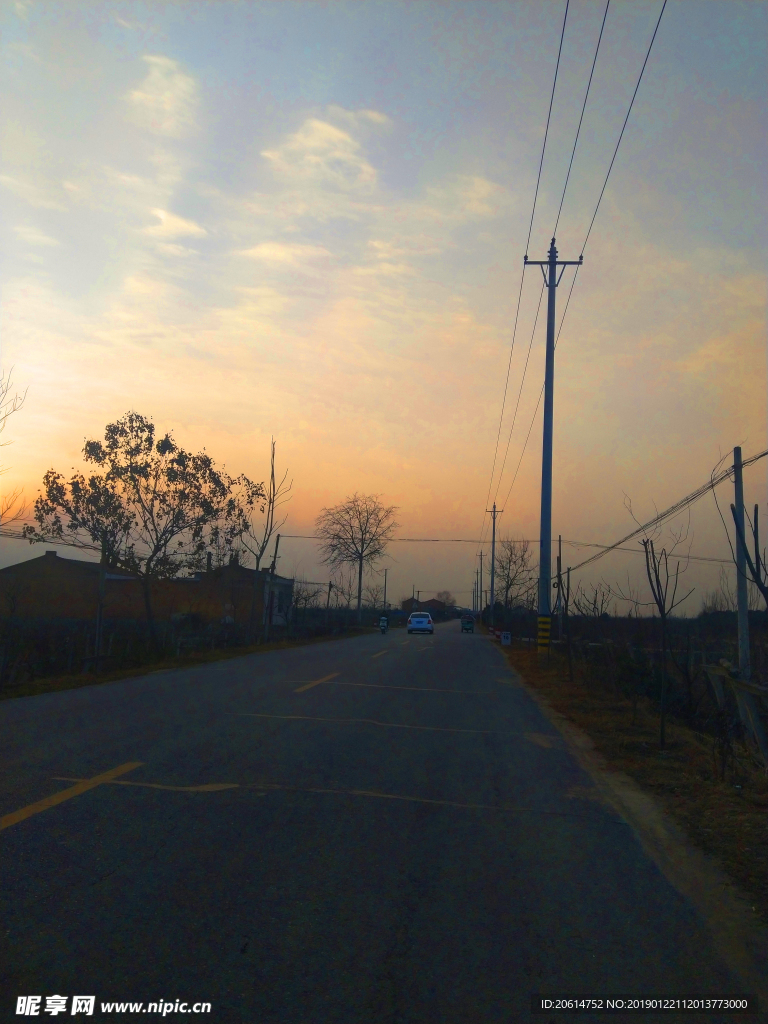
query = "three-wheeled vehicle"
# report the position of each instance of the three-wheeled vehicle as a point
(467, 624)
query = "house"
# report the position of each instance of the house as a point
(433, 606)
(53, 587)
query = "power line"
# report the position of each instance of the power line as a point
(522, 278)
(675, 509)
(559, 211)
(538, 403)
(472, 540)
(594, 215)
(519, 393)
(584, 107)
(546, 130)
(629, 111)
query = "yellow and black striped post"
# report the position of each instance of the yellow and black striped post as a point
(543, 638)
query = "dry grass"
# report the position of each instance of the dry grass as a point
(727, 822)
(52, 684)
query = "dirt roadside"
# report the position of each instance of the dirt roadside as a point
(708, 838)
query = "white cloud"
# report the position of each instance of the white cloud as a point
(166, 101)
(30, 192)
(321, 154)
(359, 118)
(171, 226)
(34, 237)
(290, 255)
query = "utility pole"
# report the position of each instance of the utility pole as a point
(268, 602)
(494, 513)
(551, 280)
(559, 591)
(742, 596)
(328, 602)
(481, 582)
(385, 590)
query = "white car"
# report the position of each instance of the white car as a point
(420, 622)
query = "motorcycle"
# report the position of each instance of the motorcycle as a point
(383, 626)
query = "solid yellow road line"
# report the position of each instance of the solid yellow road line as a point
(379, 654)
(66, 794)
(361, 721)
(210, 787)
(316, 682)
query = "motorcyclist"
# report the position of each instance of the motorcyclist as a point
(383, 623)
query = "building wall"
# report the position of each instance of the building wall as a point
(55, 587)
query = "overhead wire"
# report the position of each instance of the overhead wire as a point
(519, 393)
(673, 510)
(594, 215)
(522, 277)
(557, 221)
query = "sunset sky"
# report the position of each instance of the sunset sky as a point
(308, 221)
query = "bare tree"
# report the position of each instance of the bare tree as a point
(514, 571)
(13, 508)
(447, 598)
(594, 604)
(356, 532)
(757, 568)
(663, 584)
(305, 595)
(374, 593)
(343, 589)
(258, 534)
(266, 502)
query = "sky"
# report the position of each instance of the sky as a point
(307, 221)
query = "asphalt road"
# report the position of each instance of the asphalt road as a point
(408, 840)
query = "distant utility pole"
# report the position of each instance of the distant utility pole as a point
(269, 595)
(494, 513)
(559, 592)
(328, 602)
(385, 590)
(481, 582)
(742, 596)
(551, 280)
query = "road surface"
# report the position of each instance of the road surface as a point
(384, 829)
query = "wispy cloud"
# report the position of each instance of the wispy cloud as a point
(166, 101)
(33, 236)
(171, 226)
(321, 154)
(286, 254)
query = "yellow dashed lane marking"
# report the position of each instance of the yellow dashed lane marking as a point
(82, 786)
(419, 689)
(316, 682)
(361, 721)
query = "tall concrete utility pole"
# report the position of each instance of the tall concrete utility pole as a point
(494, 513)
(385, 590)
(742, 596)
(551, 280)
(481, 582)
